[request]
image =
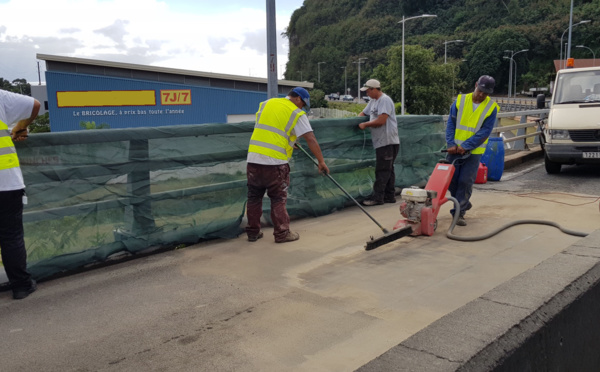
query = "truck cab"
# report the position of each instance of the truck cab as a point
(572, 132)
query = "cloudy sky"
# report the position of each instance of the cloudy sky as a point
(227, 36)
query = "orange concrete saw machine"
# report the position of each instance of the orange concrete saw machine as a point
(420, 207)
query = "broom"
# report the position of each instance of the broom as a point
(374, 242)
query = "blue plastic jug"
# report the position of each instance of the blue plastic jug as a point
(493, 157)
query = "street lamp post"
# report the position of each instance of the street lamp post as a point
(593, 54)
(345, 80)
(515, 86)
(563, 34)
(319, 70)
(568, 53)
(360, 60)
(300, 75)
(403, 21)
(510, 75)
(446, 47)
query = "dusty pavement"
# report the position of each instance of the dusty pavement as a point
(319, 304)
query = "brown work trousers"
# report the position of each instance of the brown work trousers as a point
(275, 180)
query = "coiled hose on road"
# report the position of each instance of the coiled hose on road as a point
(502, 228)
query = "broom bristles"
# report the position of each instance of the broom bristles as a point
(388, 238)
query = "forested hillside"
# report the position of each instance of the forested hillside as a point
(339, 32)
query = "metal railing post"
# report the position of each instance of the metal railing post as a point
(138, 215)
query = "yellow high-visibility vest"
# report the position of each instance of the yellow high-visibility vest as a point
(8, 153)
(468, 122)
(272, 136)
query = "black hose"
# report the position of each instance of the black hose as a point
(502, 228)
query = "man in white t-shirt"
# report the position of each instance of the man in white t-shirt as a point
(279, 123)
(22, 110)
(384, 133)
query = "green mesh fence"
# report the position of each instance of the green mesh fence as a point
(96, 193)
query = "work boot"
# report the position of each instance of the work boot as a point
(461, 221)
(290, 237)
(255, 238)
(21, 293)
(389, 200)
(370, 202)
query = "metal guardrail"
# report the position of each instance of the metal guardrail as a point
(518, 140)
(515, 104)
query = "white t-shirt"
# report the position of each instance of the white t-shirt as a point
(13, 108)
(302, 127)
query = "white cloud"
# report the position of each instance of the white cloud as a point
(171, 33)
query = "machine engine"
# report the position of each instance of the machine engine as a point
(413, 200)
(420, 207)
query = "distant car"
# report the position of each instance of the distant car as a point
(334, 96)
(347, 97)
(366, 98)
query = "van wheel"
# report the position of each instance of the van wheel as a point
(551, 166)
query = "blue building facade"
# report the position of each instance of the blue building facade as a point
(87, 93)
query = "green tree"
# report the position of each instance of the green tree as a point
(40, 124)
(21, 86)
(486, 57)
(427, 83)
(317, 98)
(341, 31)
(17, 86)
(5, 85)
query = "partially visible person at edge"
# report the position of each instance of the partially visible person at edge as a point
(14, 108)
(384, 133)
(471, 120)
(279, 122)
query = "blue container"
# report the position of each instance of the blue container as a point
(493, 158)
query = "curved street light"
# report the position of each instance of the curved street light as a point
(510, 79)
(563, 34)
(319, 69)
(403, 21)
(446, 47)
(593, 54)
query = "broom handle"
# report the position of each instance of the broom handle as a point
(345, 192)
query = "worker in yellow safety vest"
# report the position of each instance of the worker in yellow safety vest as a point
(470, 123)
(279, 123)
(22, 110)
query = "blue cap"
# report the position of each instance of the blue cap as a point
(304, 95)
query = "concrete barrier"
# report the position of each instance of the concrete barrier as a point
(545, 319)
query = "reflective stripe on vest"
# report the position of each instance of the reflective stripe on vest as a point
(469, 122)
(8, 153)
(275, 120)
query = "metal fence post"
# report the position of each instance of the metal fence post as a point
(138, 214)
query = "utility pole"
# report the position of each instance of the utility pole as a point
(319, 69)
(402, 21)
(271, 50)
(360, 60)
(345, 81)
(570, 31)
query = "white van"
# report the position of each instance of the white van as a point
(572, 132)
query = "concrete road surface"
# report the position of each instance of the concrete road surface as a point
(322, 303)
